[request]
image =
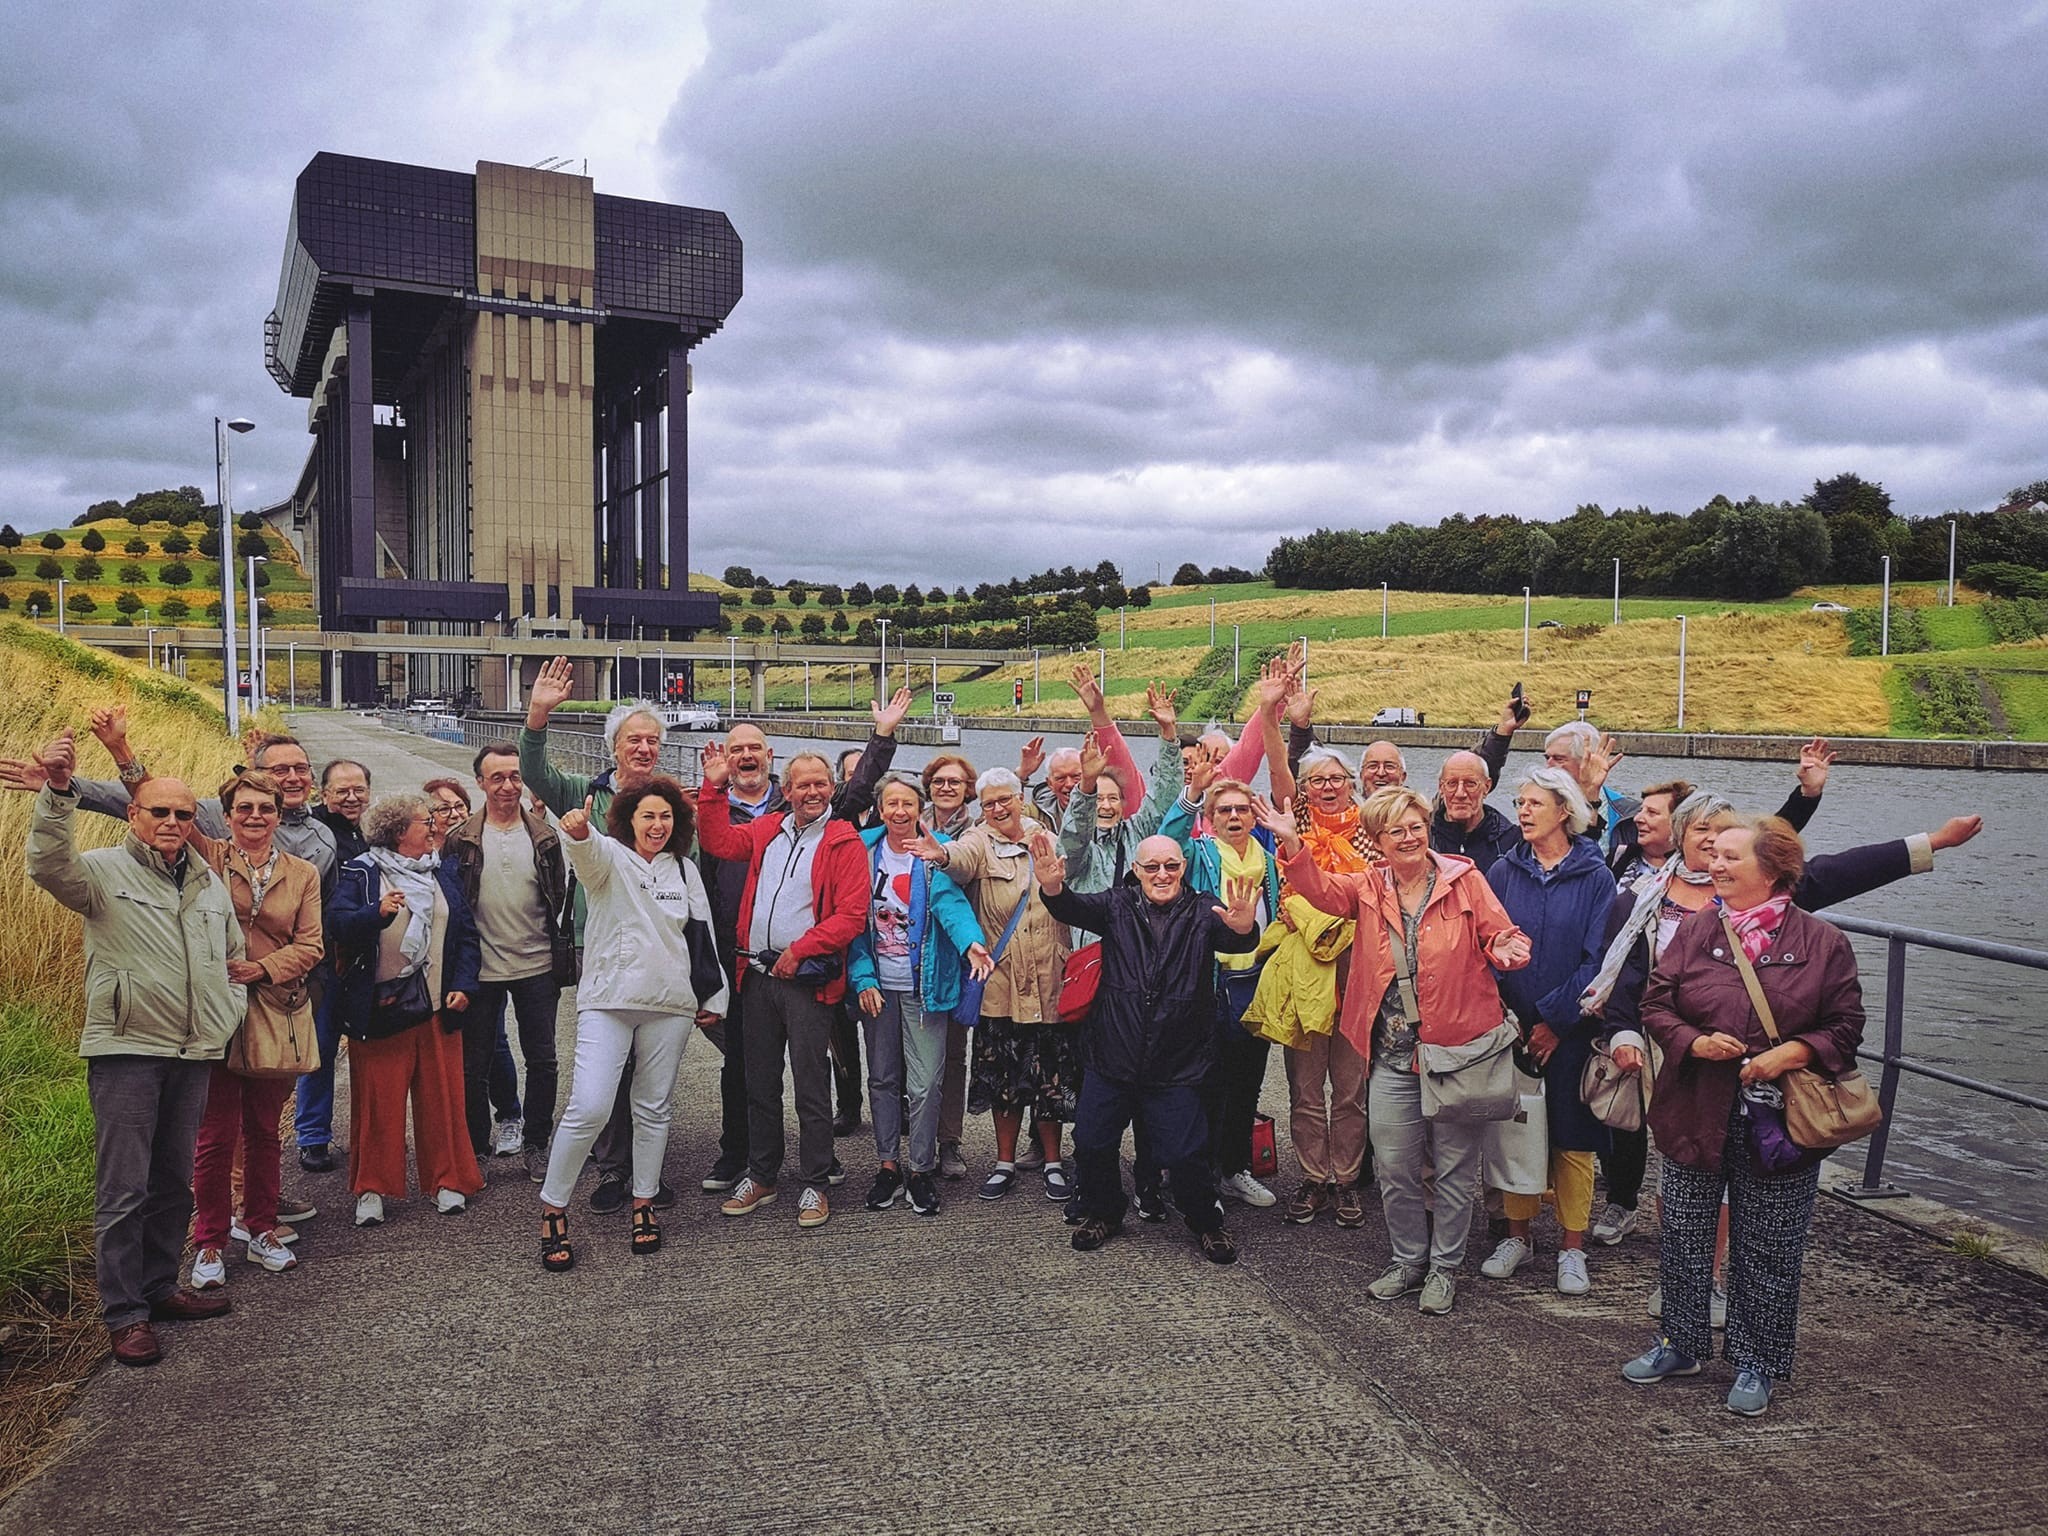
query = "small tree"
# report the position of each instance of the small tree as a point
(174, 607)
(86, 569)
(209, 544)
(9, 539)
(813, 625)
(128, 602)
(134, 575)
(177, 544)
(961, 595)
(48, 569)
(40, 600)
(738, 576)
(861, 595)
(887, 595)
(94, 541)
(138, 512)
(839, 624)
(782, 626)
(176, 574)
(81, 602)
(251, 544)
(799, 594)
(1141, 597)
(136, 546)
(762, 597)
(262, 577)
(729, 599)
(6, 569)
(53, 541)
(752, 624)
(1187, 574)
(865, 632)
(251, 522)
(912, 597)
(830, 596)
(3, 602)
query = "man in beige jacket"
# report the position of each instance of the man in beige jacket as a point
(159, 1010)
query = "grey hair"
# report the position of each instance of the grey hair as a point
(615, 722)
(901, 780)
(997, 778)
(1578, 737)
(1697, 806)
(1316, 755)
(384, 823)
(1578, 815)
(1060, 755)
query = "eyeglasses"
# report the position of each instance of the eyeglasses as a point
(1233, 810)
(997, 802)
(500, 780)
(1159, 866)
(349, 794)
(1408, 834)
(948, 782)
(287, 770)
(255, 808)
(161, 811)
(448, 810)
(1326, 779)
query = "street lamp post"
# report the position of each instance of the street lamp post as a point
(1212, 623)
(732, 677)
(1617, 589)
(882, 625)
(255, 637)
(222, 477)
(1951, 562)
(1120, 623)
(1681, 671)
(1383, 610)
(60, 605)
(149, 646)
(1525, 626)
(1034, 676)
(1884, 625)
(291, 669)
(1235, 679)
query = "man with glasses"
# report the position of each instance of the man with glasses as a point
(1464, 824)
(510, 866)
(160, 931)
(1147, 1044)
(344, 796)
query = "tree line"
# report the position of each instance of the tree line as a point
(1750, 549)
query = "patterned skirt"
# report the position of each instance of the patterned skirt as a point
(1025, 1066)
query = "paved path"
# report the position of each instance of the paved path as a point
(973, 1374)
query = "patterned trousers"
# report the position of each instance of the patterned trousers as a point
(1768, 1220)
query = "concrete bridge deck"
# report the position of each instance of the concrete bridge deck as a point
(973, 1374)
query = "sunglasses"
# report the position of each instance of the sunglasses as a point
(161, 811)
(1159, 866)
(1233, 810)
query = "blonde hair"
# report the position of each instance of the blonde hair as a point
(1218, 790)
(1384, 807)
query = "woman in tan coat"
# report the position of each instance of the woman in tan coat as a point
(1024, 1057)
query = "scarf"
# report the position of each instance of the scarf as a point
(415, 877)
(1756, 926)
(1649, 899)
(1249, 865)
(1336, 843)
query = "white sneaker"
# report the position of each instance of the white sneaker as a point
(1242, 1186)
(370, 1209)
(271, 1254)
(1615, 1223)
(450, 1202)
(209, 1270)
(1510, 1256)
(283, 1232)
(509, 1138)
(1572, 1279)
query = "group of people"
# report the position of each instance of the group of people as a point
(1104, 948)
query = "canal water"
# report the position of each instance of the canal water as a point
(1977, 1018)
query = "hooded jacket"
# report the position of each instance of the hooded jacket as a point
(635, 953)
(942, 929)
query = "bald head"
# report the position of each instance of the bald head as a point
(1381, 768)
(1160, 866)
(160, 813)
(746, 749)
(1462, 784)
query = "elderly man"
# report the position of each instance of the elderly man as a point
(1382, 767)
(160, 932)
(1148, 1042)
(344, 796)
(1464, 823)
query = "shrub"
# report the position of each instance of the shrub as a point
(176, 574)
(9, 539)
(861, 595)
(174, 607)
(729, 599)
(839, 624)
(753, 624)
(250, 521)
(782, 626)
(134, 575)
(799, 594)
(53, 541)
(3, 602)
(94, 541)
(762, 597)
(128, 602)
(136, 546)
(87, 568)
(738, 576)
(813, 625)
(6, 569)
(209, 544)
(39, 599)
(830, 596)
(887, 595)
(82, 602)
(47, 568)
(177, 544)
(251, 544)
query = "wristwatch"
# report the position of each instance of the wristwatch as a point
(133, 772)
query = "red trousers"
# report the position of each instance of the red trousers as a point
(427, 1065)
(241, 1114)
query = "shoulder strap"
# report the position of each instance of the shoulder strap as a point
(1749, 981)
(1016, 917)
(1404, 977)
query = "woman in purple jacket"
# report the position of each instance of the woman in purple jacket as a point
(1716, 1112)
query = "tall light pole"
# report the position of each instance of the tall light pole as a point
(1525, 626)
(1951, 562)
(1383, 610)
(1235, 680)
(883, 626)
(1212, 623)
(1681, 671)
(732, 676)
(1120, 625)
(1884, 624)
(255, 637)
(60, 605)
(1034, 677)
(1617, 589)
(223, 477)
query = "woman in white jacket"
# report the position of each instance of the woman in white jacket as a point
(645, 983)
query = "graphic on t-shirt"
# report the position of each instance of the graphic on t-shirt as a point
(889, 909)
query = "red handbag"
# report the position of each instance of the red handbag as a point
(1265, 1152)
(1079, 981)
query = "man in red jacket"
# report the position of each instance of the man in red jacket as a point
(806, 898)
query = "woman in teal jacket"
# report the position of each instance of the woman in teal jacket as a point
(905, 969)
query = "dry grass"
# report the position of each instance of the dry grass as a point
(49, 1344)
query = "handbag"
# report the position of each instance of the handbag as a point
(1821, 1112)
(967, 1012)
(1517, 1149)
(398, 1004)
(277, 1038)
(1265, 1150)
(1619, 1100)
(1079, 982)
(1460, 1083)
(707, 976)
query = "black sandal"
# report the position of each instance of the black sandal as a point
(556, 1255)
(646, 1230)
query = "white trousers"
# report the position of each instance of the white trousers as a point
(603, 1041)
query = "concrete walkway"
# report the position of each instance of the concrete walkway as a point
(973, 1374)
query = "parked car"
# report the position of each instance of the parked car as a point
(421, 705)
(1830, 607)
(1395, 716)
(1548, 624)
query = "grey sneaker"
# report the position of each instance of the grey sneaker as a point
(1660, 1360)
(1750, 1395)
(951, 1164)
(1615, 1223)
(507, 1138)
(537, 1165)
(1438, 1292)
(1399, 1280)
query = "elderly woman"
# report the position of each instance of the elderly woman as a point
(1558, 891)
(1096, 839)
(949, 811)
(410, 962)
(1437, 987)
(949, 794)
(1024, 1057)
(277, 904)
(644, 986)
(1718, 1112)
(905, 971)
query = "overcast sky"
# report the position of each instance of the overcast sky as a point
(1055, 283)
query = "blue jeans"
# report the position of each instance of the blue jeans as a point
(1175, 1132)
(906, 1054)
(314, 1125)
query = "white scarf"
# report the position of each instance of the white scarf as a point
(415, 877)
(1649, 898)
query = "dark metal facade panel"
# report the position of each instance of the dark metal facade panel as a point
(449, 601)
(650, 610)
(661, 261)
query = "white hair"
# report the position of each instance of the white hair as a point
(1060, 755)
(1577, 737)
(615, 722)
(1316, 755)
(997, 778)
(1578, 815)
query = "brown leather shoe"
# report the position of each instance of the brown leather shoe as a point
(136, 1345)
(1350, 1205)
(185, 1306)
(1309, 1202)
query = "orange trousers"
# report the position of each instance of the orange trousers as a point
(425, 1064)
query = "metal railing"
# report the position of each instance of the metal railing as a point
(576, 751)
(1892, 1058)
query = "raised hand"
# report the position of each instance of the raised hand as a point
(889, 716)
(1301, 702)
(1601, 762)
(1277, 820)
(110, 728)
(1814, 761)
(1159, 705)
(1956, 831)
(928, 848)
(1031, 759)
(1086, 688)
(980, 963)
(576, 825)
(1276, 683)
(1046, 862)
(553, 686)
(1094, 761)
(716, 768)
(1201, 773)
(1514, 714)
(59, 759)
(1240, 911)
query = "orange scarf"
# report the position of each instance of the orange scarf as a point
(1336, 843)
